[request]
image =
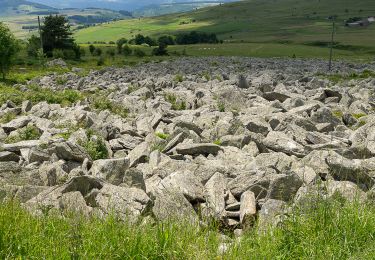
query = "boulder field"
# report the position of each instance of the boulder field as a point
(230, 139)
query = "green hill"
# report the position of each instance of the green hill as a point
(273, 21)
(17, 7)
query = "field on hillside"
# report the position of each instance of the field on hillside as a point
(252, 20)
(17, 22)
(280, 22)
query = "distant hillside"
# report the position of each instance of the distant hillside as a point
(116, 4)
(21, 16)
(281, 21)
(14, 7)
(170, 8)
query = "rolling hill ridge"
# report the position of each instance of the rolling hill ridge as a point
(282, 21)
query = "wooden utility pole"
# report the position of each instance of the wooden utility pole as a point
(331, 51)
(40, 34)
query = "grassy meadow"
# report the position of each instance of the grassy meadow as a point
(296, 21)
(326, 229)
(259, 28)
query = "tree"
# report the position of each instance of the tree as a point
(139, 39)
(8, 49)
(56, 34)
(161, 50)
(120, 43)
(33, 46)
(167, 39)
(92, 49)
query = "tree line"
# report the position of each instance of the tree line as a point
(56, 41)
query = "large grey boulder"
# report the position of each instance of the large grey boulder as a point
(127, 203)
(247, 210)
(169, 205)
(280, 142)
(111, 170)
(184, 182)
(270, 186)
(197, 149)
(139, 154)
(214, 191)
(343, 169)
(85, 193)
(17, 123)
(69, 151)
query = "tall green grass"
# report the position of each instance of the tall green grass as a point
(330, 229)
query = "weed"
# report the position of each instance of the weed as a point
(338, 114)
(102, 103)
(95, 146)
(162, 135)
(217, 142)
(24, 134)
(6, 118)
(178, 78)
(221, 106)
(172, 99)
(61, 80)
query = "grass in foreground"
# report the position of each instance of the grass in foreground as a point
(326, 230)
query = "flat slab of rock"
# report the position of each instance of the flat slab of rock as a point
(271, 96)
(9, 157)
(198, 149)
(16, 147)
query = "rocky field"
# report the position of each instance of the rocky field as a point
(237, 140)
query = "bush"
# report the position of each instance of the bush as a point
(140, 39)
(33, 46)
(102, 103)
(196, 37)
(126, 50)
(58, 54)
(69, 54)
(98, 52)
(161, 50)
(111, 53)
(37, 94)
(95, 146)
(139, 53)
(100, 61)
(92, 49)
(120, 44)
(167, 40)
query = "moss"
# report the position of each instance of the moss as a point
(359, 115)
(338, 114)
(218, 142)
